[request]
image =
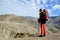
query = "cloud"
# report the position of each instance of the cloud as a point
(50, 12)
(56, 7)
(54, 0)
(38, 1)
(43, 4)
(27, 7)
(44, 1)
(51, 0)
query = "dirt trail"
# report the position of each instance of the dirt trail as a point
(54, 36)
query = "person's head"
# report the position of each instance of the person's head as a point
(40, 10)
(44, 10)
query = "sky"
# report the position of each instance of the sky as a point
(29, 7)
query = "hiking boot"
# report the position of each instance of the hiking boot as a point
(44, 35)
(40, 36)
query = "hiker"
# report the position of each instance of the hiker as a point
(43, 17)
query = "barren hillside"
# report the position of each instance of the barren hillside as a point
(12, 26)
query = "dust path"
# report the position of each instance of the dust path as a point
(53, 36)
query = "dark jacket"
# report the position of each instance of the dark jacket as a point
(41, 18)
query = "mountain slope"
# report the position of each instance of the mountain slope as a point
(11, 24)
(15, 24)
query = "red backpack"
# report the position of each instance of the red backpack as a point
(47, 16)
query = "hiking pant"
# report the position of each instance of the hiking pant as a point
(43, 29)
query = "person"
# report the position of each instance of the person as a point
(40, 11)
(43, 17)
